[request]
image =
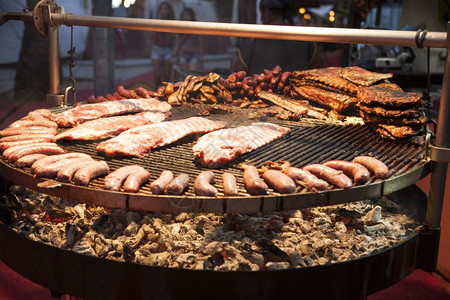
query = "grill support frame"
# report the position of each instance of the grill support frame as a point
(433, 39)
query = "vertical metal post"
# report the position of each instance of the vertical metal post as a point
(439, 171)
(430, 239)
(53, 49)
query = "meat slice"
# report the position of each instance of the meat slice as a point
(292, 105)
(140, 140)
(361, 76)
(376, 119)
(112, 126)
(330, 76)
(337, 101)
(93, 111)
(220, 147)
(392, 132)
(413, 112)
(388, 95)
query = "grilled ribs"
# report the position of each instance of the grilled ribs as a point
(364, 77)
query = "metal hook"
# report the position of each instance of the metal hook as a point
(66, 95)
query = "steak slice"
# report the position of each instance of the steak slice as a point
(222, 146)
(361, 76)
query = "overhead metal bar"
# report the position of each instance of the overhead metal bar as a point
(299, 33)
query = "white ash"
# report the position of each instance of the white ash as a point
(221, 242)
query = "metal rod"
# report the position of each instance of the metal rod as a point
(300, 33)
(439, 171)
(53, 50)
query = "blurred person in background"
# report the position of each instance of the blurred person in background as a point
(255, 55)
(188, 51)
(162, 48)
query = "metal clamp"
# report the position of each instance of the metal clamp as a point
(440, 154)
(42, 14)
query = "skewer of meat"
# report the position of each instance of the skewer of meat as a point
(84, 175)
(160, 184)
(375, 165)
(359, 173)
(203, 186)
(331, 175)
(178, 185)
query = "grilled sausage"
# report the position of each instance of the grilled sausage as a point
(135, 180)
(36, 122)
(95, 169)
(115, 179)
(44, 148)
(27, 130)
(6, 145)
(51, 170)
(203, 186)
(28, 160)
(177, 185)
(253, 183)
(160, 184)
(359, 173)
(306, 179)
(331, 175)
(229, 184)
(51, 159)
(375, 165)
(24, 137)
(66, 172)
(279, 181)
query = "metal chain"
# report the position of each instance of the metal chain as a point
(71, 79)
(426, 96)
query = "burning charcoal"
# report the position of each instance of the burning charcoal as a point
(73, 234)
(373, 216)
(83, 247)
(128, 253)
(272, 252)
(278, 265)
(213, 261)
(296, 260)
(10, 208)
(340, 227)
(131, 229)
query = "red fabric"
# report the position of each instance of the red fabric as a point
(418, 285)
